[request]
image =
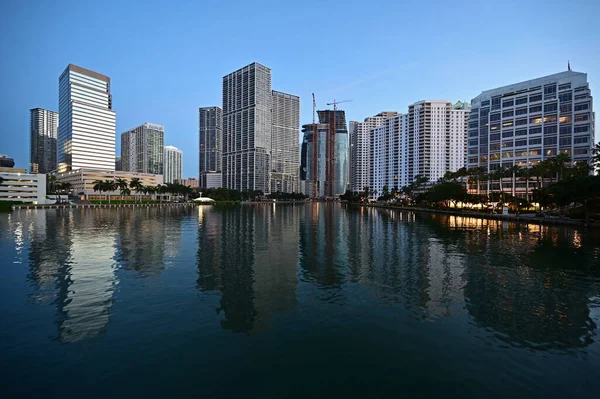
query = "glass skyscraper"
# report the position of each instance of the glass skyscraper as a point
(43, 136)
(210, 141)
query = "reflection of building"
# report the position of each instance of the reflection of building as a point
(43, 133)
(210, 132)
(86, 133)
(173, 164)
(142, 149)
(285, 147)
(428, 141)
(527, 122)
(82, 180)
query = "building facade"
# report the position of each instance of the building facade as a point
(247, 128)
(313, 160)
(337, 155)
(525, 123)
(210, 135)
(428, 141)
(142, 149)
(42, 143)
(82, 180)
(173, 164)
(20, 186)
(118, 164)
(360, 159)
(86, 133)
(285, 146)
(190, 182)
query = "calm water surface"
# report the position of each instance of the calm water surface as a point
(295, 301)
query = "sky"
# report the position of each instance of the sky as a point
(167, 58)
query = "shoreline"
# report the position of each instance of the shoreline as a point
(93, 206)
(509, 218)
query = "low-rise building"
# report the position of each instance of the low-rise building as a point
(17, 185)
(82, 181)
(189, 182)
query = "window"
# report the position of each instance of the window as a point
(582, 117)
(550, 119)
(582, 129)
(507, 114)
(581, 107)
(522, 100)
(495, 127)
(564, 141)
(580, 151)
(565, 119)
(520, 143)
(473, 124)
(565, 130)
(507, 144)
(472, 160)
(536, 97)
(535, 141)
(581, 96)
(565, 151)
(483, 158)
(519, 122)
(535, 120)
(483, 140)
(550, 129)
(565, 108)
(533, 153)
(550, 152)
(473, 142)
(536, 108)
(550, 91)
(494, 157)
(507, 124)
(521, 132)
(565, 86)
(508, 103)
(521, 154)
(550, 141)
(550, 107)
(485, 103)
(495, 137)
(473, 134)
(582, 88)
(535, 130)
(483, 122)
(581, 140)
(494, 117)
(521, 111)
(485, 111)
(507, 154)
(483, 150)
(507, 134)
(483, 131)
(564, 97)
(495, 102)
(495, 147)
(473, 151)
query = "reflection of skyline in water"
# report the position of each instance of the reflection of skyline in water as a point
(529, 285)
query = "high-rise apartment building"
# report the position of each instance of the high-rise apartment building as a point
(285, 146)
(43, 135)
(429, 141)
(118, 164)
(173, 164)
(86, 133)
(142, 149)
(360, 160)
(247, 128)
(528, 122)
(210, 133)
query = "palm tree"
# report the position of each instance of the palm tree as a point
(121, 185)
(136, 185)
(98, 186)
(109, 185)
(124, 190)
(51, 184)
(559, 161)
(526, 174)
(514, 171)
(595, 160)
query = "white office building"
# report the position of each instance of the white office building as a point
(285, 144)
(527, 122)
(17, 185)
(142, 149)
(173, 164)
(360, 160)
(429, 141)
(86, 134)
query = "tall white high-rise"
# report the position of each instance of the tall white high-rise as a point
(247, 128)
(360, 160)
(43, 135)
(285, 144)
(428, 141)
(86, 134)
(142, 149)
(173, 164)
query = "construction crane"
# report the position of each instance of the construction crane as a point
(330, 150)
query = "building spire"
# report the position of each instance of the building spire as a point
(569, 65)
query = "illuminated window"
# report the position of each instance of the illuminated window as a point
(535, 120)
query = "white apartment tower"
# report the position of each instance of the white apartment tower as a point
(360, 159)
(173, 164)
(86, 134)
(142, 149)
(524, 123)
(429, 141)
(43, 136)
(285, 145)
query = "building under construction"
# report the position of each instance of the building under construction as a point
(325, 156)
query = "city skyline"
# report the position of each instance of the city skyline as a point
(393, 83)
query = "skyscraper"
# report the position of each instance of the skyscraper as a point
(210, 134)
(360, 160)
(142, 149)
(336, 152)
(86, 134)
(285, 146)
(428, 141)
(247, 128)
(524, 123)
(173, 164)
(43, 134)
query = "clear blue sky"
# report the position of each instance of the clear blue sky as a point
(167, 58)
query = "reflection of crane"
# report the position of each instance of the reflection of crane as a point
(315, 145)
(330, 150)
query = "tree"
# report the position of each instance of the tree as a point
(98, 186)
(51, 184)
(558, 163)
(136, 184)
(595, 160)
(452, 192)
(514, 171)
(121, 184)
(577, 190)
(108, 186)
